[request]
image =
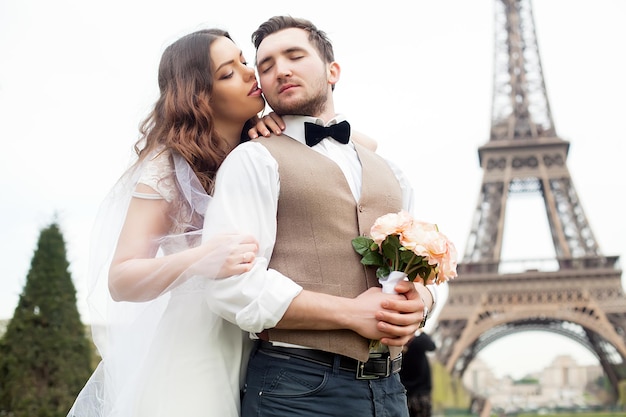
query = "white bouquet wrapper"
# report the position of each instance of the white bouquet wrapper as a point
(390, 282)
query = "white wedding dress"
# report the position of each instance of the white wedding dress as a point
(193, 365)
(170, 356)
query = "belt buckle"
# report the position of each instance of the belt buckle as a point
(360, 369)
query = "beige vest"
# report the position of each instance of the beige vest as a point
(317, 220)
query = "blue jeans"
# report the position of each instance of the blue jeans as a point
(284, 386)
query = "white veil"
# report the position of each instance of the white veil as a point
(170, 355)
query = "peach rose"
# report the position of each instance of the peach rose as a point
(390, 224)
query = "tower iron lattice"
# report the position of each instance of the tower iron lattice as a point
(579, 293)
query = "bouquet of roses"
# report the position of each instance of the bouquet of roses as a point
(402, 247)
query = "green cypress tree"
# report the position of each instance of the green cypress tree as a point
(44, 354)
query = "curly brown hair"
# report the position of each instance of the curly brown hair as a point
(182, 118)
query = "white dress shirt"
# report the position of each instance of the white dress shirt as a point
(245, 201)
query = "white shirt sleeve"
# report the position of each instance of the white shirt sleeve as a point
(408, 196)
(245, 201)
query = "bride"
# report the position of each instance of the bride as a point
(163, 352)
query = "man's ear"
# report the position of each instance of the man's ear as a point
(334, 70)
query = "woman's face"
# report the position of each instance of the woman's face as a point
(236, 95)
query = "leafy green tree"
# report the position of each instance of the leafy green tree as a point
(44, 354)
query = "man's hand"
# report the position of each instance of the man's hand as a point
(392, 319)
(401, 317)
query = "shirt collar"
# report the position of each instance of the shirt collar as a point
(294, 125)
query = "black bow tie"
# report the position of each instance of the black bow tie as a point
(315, 133)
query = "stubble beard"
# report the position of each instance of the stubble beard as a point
(308, 106)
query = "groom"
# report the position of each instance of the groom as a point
(304, 198)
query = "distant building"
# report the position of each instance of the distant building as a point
(564, 381)
(562, 384)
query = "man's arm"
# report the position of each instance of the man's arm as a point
(370, 314)
(245, 198)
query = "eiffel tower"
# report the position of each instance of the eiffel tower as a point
(578, 294)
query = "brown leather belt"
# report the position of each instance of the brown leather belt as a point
(379, 365)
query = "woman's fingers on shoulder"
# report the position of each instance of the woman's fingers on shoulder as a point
(266, 125)
(274, 122)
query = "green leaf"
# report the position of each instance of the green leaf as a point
(373, 259)
(391, 245)
(406, 256)
(362, 245)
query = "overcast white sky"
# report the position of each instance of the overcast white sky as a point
(77, 76)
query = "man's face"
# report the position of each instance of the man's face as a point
(294, 79)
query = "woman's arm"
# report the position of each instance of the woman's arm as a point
(137, 275)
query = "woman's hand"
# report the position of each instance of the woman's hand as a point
(239, 250)
(265, 126)
(137, 275)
